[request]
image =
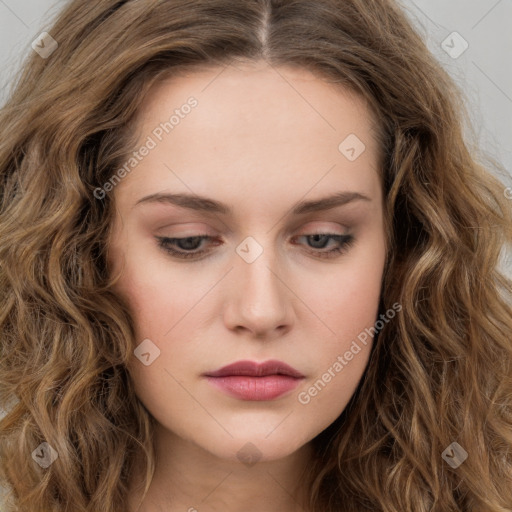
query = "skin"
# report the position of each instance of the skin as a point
(260, 140)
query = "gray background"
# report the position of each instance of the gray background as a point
(483, 71)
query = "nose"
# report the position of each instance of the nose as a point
(259, 299)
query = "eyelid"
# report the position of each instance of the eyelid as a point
(344, 241)
(199, 229)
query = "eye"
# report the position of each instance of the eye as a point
(192, 243)
(320, 241)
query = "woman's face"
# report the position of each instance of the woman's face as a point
(265, 161)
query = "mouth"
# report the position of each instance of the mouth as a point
(248, 380)
(254, 369)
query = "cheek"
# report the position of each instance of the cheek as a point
(341, 359)
(154, 303)
(347, 300)
(326, 396)
(348, 305)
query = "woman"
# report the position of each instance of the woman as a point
(179, 334)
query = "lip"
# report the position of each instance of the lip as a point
(249, 380)
(254, 369)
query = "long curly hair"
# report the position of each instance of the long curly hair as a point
(439, 373)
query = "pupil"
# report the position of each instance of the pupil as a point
(318, 238)
(192, 242)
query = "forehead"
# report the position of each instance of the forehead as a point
(235, 95)
(254, 127)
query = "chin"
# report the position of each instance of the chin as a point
(249, 449)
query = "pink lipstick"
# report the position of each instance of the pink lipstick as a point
(248, 380)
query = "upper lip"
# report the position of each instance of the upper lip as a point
(254, 369)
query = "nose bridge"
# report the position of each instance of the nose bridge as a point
(257, 269)
(259, 300)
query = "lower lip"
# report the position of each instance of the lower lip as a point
(255, 388)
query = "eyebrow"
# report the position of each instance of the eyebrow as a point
(207, 205)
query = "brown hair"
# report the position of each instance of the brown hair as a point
(440, 372)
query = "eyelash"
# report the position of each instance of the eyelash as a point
(345, 241)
